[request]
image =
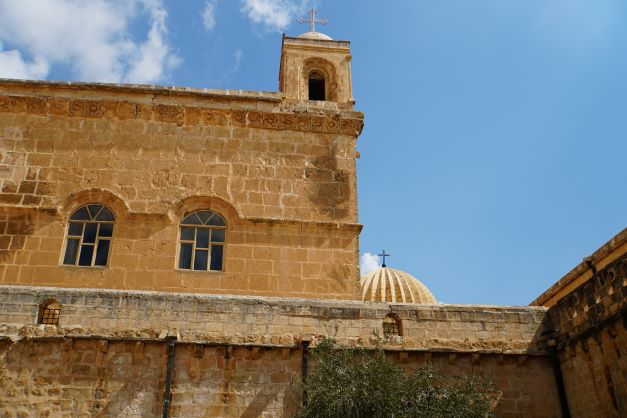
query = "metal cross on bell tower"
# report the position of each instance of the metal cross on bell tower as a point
(383, 254)
(312, 20)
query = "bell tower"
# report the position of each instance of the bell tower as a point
(316, 68)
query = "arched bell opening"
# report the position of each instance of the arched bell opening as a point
(317, 86)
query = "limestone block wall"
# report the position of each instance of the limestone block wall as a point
(236, 381)
(592, 341)
(272, 321)
(242, 356)
(261, 258)
(112, 378)
(284, 180)
(81, 378)
(527, 384)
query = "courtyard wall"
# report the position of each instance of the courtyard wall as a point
(242, 356)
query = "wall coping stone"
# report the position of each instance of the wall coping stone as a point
(269, 321)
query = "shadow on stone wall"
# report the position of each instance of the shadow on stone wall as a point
(81, 377)
(590, 334)
(14, 228)
(330, 188)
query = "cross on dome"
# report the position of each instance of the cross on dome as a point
(312, 20)
(383, 254)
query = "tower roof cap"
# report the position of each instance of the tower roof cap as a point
(315, 35)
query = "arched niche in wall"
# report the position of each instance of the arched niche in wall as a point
(318, 80)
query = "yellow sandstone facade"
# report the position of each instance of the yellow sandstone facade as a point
(176, 252)
(280, 170)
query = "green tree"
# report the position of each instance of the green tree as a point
(360, 382)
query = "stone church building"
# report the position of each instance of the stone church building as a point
(171, 251)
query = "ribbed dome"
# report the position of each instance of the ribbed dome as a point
(315, 35)
(390, 285)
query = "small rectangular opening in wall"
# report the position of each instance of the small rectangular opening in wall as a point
(316, 89)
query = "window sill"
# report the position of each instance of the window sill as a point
(83, 267)
(199, 271)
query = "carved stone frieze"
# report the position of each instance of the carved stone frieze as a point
(182, 115)
(88, 108)
(168, 113)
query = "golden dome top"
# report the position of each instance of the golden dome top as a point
(395, 286)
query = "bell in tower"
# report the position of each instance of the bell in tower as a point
(316, 68)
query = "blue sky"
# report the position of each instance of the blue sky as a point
(493, 156)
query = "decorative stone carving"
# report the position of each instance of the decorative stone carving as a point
(89, 108)
(4, 104)
(212, 117)
(168, 113)
(255, 119)
(271, 120)
(181, 115)
(127, 110)
(287, 121)
(239, 117)
(58, 106)
(35, 104)
(317, 123)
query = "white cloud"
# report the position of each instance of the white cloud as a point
(275, 15)
(209, 14)
(153, 56)
(12, 65)
(238, 55)
(92, 38)
(368, 263)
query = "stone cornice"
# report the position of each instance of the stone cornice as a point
(317, 44)
(574, 277)
(341, 123)
(145, 89)
(226, 319)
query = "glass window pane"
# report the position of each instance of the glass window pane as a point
(90, 233)
(75, 229)
(216, 221)
(105, 215)
(106, 230)
(200, 259)
(86, 253)
(185, 256)
(71, 248)
(81, 215)
(102, 252)
(93, 210)
(204, 215)
(202, 238)
(217, 235)
(217, 253)
(187, 234)
(191, 220)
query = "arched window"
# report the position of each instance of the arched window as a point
(89, 235)
(202, 238)
(316, 86)
(391, 326)
(49, 312)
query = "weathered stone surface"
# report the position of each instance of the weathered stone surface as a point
(285, 185)
(241, 356)
(281, 171)
(590, 332)
(250, 320)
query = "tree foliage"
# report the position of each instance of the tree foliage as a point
(358, 383)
